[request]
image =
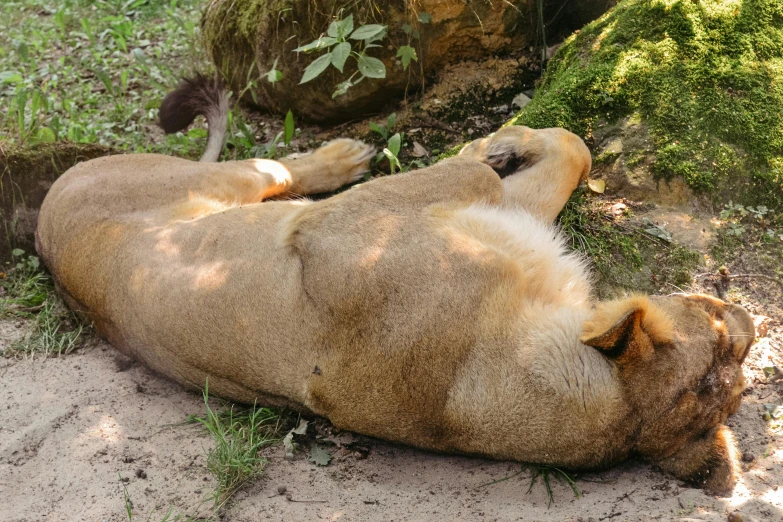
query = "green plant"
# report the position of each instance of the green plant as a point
(382, 129)
(238, 434)
(169, 516)
(29, 294)
(392, 150)
(339, 48)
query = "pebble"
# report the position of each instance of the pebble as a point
(281, 490)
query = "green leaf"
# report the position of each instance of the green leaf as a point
(407, 53)
(273, 75)
(391, 120)
(321, 43)
(16, 252)
(11, 77)
(376, 128)
(46, 135)
(23, 50)
(407, 28)
(318, 66)
(371, 67)
(394, 144)
(319, 456)
(369, 32)
(425, 18)
(340, 53)
(334, 29)
(346, 26)
(288, 127)
(153, 104)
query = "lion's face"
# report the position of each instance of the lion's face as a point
(679, 359)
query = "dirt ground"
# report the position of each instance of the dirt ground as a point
(74, 429)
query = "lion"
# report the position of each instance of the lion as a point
(438, 308)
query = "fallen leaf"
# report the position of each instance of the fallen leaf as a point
(288, 441)
(618, 208)
(319, 456)
(418, 150)
(761, 322)
(597, 185)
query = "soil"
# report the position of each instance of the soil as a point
(75, 430)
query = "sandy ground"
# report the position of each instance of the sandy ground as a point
(73, 430)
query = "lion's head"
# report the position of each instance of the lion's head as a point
(679, 359)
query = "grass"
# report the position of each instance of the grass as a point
(28, 294)
(89, 71)
(624, 255)
(238, 434)
(546, 473)
(706, 79)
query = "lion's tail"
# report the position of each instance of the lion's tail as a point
(195, 96)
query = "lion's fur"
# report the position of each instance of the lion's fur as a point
(439, 308)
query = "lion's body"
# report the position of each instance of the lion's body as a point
(437, 308)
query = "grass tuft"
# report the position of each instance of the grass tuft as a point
(28, 294)
(239, 434)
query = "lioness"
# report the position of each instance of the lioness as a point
(438, 308)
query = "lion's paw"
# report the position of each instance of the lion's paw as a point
(345, 159)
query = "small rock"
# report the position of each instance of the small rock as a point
(520, 100)
(141, 473)
(288, 496)
(281, 490)
(748, 457)
(735, 517)
(128, 460)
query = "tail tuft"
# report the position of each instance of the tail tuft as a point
(196, 96)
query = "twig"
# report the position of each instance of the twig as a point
(728, 276)
(431, 123)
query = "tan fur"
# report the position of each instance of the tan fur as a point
(437, 308)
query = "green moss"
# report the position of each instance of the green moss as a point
(624, 256)
(706, 77)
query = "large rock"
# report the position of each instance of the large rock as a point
(677, 98)
(245, 37)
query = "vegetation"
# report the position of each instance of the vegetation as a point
(239, 434)
(705, 78)
(27, 293)
(625, 255)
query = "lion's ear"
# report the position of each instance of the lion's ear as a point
(627, 329)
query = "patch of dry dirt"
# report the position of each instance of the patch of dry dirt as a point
(71, 427)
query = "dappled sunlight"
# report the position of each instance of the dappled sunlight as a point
(277, 170)
(165, 244)
(209, 276)
(384, 230)
(107, 429)
(604, 33)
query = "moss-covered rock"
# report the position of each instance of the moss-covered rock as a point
(26, 174)
(676, 89)
(245, 38)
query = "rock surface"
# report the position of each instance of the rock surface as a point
(245, 38)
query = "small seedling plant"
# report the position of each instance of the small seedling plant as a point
(342, 42)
